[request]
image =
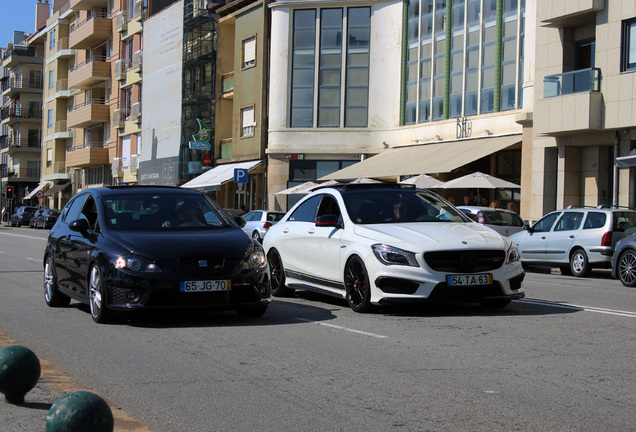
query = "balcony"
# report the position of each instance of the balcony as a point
(56, 171)
(88, 4)
(61, 49)
(14, 86)
(85, 155)
(227, 85)
(91, 32)
(16, 114)
(21, 54)
(23, 145)
(22, 174)
(88, 114)
(572, 102)
(89, 73)
(568, 13)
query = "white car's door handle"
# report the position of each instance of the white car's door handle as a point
(311, 231)
(572, 236)
(543, 238)
(285, 230)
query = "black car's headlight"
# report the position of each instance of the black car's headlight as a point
(512, 254)
(135, 263)
(254, 258)
(390, 255)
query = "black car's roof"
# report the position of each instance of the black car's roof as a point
(366, 186)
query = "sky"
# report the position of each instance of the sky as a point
(16, 15)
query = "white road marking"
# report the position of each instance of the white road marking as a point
(343, 328)
(24, 236)
(581, 308)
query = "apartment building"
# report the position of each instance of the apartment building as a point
(390, 89)
(584, 143)
(21, 116)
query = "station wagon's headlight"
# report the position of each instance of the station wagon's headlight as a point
(254, 258)
(512, 254)
(390, 255)
(134, 263)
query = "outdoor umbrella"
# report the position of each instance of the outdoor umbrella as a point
(423, 181)
(305, 188)
(478, 180)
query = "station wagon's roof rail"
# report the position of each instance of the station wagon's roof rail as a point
(600, 206)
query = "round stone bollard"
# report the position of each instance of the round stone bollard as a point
(19, 373)
(80, 411)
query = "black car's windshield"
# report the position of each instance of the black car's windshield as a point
(162, 211)
(373, 206)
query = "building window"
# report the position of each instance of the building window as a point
(50, 119)
(247, 121)
(249, 52)
(51, 78)
(509, 57)
(49, 157)
(629, 45)
(337, 51)
(52, 41)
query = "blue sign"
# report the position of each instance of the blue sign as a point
(198, 145)
(240, 175)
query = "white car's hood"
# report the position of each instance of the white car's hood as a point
(436, 235)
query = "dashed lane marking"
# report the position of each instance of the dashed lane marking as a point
(343, 328)
(580, 308)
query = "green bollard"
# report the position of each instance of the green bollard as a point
(19, 373)
(80, 411)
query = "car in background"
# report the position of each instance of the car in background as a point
(505, 222)
(624, 260)
(47, 219)
(34, 218)
(258, 222)
(126, 248)
(378, 244)
(576, 239)
(22, 216)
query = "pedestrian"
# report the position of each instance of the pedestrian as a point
(467, 200)
(512, 207)
(495, 204)
(451, 200)
(484, 201)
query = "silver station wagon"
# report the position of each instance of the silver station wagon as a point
(575, 239)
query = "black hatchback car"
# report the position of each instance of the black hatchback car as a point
(128, 248)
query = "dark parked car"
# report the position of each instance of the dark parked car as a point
(34, 219)
(129, 248)
(22, 216)
(47, 219)
(624, 259)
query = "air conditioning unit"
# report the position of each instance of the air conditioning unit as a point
(140, 10)
(135, 112)
(120, 72)
(116, 168)
(134, 163)
(137, 61)
(121, 22)
(118, 119)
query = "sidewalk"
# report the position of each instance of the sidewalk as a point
(53, 383)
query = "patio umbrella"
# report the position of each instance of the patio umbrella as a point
(423, 181)
(303, 188)
(478, 180)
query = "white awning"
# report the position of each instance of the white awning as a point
(213, 179)
(438, 157)
(626, 161)
(36, 190)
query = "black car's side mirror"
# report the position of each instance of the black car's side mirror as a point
(79, 225)
(240, 221)
(328, 220)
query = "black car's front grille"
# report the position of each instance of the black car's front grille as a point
(202, 264)
(465, 261)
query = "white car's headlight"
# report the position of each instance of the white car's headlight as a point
(390, 255)
(512, 254)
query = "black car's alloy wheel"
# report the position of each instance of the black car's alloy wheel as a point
(627, 268)
(357, 286)
(277, 275)
(97, 297)
(52, 296)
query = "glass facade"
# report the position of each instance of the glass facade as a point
(460, 76)
(320, 55)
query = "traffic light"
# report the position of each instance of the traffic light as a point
(9, 192)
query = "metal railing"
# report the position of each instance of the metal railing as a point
(87, 145)
(21, 172)
(17, 112)
(94, 101)
(578, 81)
(21, 143)
(27, 51)
(96, 58)
(89, 19)
(36, 82)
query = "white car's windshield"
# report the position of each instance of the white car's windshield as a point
(373, 206)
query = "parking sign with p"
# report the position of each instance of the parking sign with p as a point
(240, 175)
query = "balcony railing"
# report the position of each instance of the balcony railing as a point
(36, 82)
(26, 51)
(21, 143)
(17, 112)
(87, 20)
(21, 172)
(94, 101)
(87, 146)
(61, 85)
(578, 81)
(89, 60)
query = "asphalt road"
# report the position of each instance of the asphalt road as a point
(561, 360)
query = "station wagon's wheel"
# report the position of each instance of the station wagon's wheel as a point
(627, 268)
(579, 264)
(277, 275)
(97, 296)
(356, 280)
(52, 295)
(256, 237)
